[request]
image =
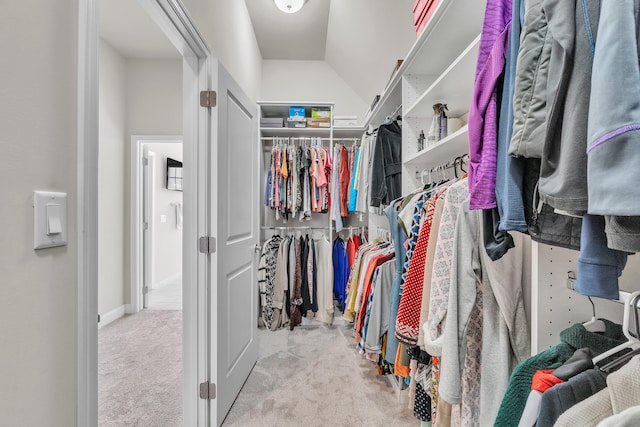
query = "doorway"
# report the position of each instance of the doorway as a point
(221, 250)
(157, 221)
(140, 222)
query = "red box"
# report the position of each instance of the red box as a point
(422, 12)
(418, 8)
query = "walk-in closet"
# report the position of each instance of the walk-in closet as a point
(411, 213)
(449, 234)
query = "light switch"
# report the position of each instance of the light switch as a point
(54, 224)
(49, 219)
(163, 218)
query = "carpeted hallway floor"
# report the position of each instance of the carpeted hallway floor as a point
(140, 370)
(311, 376)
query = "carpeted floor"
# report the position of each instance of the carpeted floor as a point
(140, 370)
(314, 377)
(311, 376)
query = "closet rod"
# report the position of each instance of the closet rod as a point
(460, 160)
(272, 138)
(270, 227)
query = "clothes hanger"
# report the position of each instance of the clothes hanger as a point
(455, 166)
(462, 162)
(622, 360)
(632, 341)
(594, 325)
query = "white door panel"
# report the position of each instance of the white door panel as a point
(233, 346)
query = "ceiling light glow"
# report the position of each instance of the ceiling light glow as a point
(289, 6)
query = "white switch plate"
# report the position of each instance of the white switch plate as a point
(163, 218)
(49, 219)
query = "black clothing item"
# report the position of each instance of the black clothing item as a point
(291, 270)
(547, 226)
(420, 355)
(304, 271)
(386, 167)
(496, 242)
(578, 363)
(422, 406)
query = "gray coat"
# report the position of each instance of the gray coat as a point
(614, 126)
(563, 172)
(529, 98)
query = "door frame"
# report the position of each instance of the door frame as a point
(136, 214)
(176, 24)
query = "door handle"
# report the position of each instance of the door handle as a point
(257, 248)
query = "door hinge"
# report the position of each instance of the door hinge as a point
(208, 98)
(98, 318)
(145, 161)
(145, 225)
(145, 289)
(207, 391)
(207, 245)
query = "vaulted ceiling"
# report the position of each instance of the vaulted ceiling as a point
(360, 39)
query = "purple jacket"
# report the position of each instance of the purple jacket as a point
(483, 113)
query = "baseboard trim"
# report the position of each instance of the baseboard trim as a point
(109, 317)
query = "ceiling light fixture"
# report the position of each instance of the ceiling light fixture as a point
(289, 6)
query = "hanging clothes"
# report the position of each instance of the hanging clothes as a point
(363, 174)
(324, 280)
(573, 338)
(386, 165)
(340, 272)
(483, 113)
(353, 191)
(298, 180)
(266, 277)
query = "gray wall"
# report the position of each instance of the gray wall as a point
(154, 107)
(310, 81)
(111, 173)
(38, 87)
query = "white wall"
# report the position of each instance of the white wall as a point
(38, 88)
(154, 107)
(226, 26)
(380, 32)
(310, 81)
(167, 239)
(154, 96)
(112, 167)
(38, 42)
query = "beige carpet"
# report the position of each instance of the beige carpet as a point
(314, 377)
(140, 370)
(311, 376)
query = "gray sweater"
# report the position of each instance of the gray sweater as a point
(478, 354)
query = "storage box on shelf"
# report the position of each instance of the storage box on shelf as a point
(294, 117)
(422, 12)
(319, 123)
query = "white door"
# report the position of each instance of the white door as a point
(233, 346)
(148, 184)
